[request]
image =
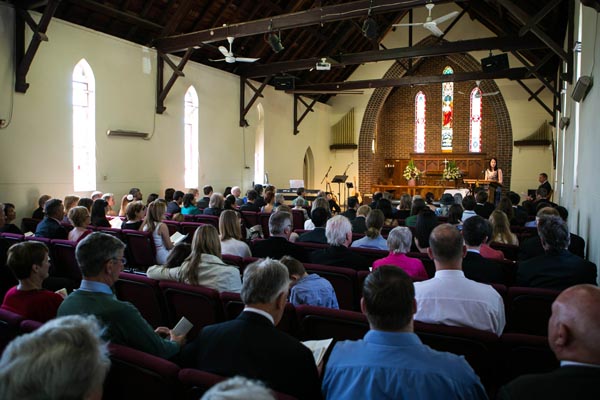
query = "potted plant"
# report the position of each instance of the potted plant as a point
(451, 171)
(411, 173)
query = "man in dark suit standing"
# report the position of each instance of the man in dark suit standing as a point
(278, 244)
(573, 337)
(475, 266)
(558, 268)
(251, 345)
(50, 227)
(339, 237)
(543, 179)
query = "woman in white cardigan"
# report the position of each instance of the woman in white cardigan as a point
(204, 266)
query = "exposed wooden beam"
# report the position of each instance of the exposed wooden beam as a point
(513, 73)
(533, 21)
(25, 59)
(162, 92)
(244, 108)
(523, 18)
(308, 108)
(314, 16)
(31, 4)
(535, 73)
(174, 21)
(536, 98)
(444, 48)
(124, 16)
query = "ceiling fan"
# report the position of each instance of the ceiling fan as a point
(497, 92)
(431, 24)
(229, 57)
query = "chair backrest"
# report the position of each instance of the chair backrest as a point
(298, 219)
(145, 294)
(311, 246)
(64, 263)
(196, 383)
(12, 238)
(116, 232)
(510, 251)
(141, 252)
(263, 220)
(233, 260)
(29, 325)
(9, 327)
(29, 224)
(478, 347)
(370, 254)
(137, 375)
(173, 226)
(200, 305)
(522, 354)
(343, 280)
(250, 218)
(208, 219)
(529, 310)
(323, 323)
(189, 228)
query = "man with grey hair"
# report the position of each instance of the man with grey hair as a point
(239, 388)
(449, 298)
(65, 358)
(399, 241)
(236, 191)
(277, 244)
(251, 345)
(339, 237)
(100, 258)
(558, 268)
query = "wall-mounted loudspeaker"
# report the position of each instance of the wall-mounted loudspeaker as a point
(284, 82)
(564, 122)
(494, 63)
(582, 87)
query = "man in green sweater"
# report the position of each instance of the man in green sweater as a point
(100, 257)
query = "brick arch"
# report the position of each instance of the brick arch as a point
(371, 165)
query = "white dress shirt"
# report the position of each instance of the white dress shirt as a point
(451, 299)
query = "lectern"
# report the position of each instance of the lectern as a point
(490, 186)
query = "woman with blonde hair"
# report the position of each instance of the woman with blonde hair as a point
(501, 229)
(160, 233)
(125, 200)
(373, 238)
(135, 216)
(80, 218)
(204, 266)
(69, 202)
(231, 235)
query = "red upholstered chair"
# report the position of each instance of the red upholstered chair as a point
(173, 226)
(309, 247)
(323, 323)
(343, 280)
(233, 260)
(370, 254)
(118, 233)
(64, 263)
(298, 219)
(141, 252)
(12, 238)
(263, 220)
(510, 251)
(44, 240)
(250, 218)
(137, 375)
(208, 219)
(9, 327)
(478, 347)
(29, 325)
(189, 228)
(200, 305)
(145, 294)
(522, 354)
(529, 310)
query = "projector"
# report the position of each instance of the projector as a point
(323, 65)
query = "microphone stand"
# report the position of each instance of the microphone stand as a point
(326, 175)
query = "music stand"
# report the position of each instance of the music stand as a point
(339, 179)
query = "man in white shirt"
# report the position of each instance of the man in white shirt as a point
(449, 298)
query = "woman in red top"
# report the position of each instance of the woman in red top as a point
(29, 263)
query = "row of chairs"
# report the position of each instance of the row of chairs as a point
(133, 374)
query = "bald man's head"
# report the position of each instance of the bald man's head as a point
(446, 247)
(574, 326)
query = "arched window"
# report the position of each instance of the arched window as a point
(420, 103)
(259, 147)
(447, 111)
(191, 138)
(475, 122)
(84, 128)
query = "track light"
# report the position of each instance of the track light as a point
(275, 42)
(370, 28)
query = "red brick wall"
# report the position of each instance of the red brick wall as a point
(392, 110)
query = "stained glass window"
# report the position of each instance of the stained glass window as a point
(191, 138)
(447, 111)
(84, 128)
(420, 102)
(475, 122)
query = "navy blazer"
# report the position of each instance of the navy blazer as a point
(556, 270)
(484, 270)
(277, 247)
(252, 347)
(317, 235)
(340, 256)
(51, 229)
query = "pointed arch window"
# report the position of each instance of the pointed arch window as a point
(84, 127)
(420, 105)
(191, 138)
(447, 111)
(475, 122)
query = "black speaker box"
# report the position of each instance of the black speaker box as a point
(284, 82)
(495, 63)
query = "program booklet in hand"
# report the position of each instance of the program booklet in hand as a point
(183, 327)
(116, 223)
(318, 348)
(178, 237)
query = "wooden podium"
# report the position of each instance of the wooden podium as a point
(490, 186)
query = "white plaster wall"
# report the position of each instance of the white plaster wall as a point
(36, 147)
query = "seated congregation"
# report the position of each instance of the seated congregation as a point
(403, 291)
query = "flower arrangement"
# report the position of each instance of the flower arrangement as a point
(411, 171)
(451, 171)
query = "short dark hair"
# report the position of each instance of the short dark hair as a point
(514, 197)
(562, 211)
(553, 231)
(319, 217)
(426, 221)
(52, 206)
(469, 203)
(207, 190)
(169, 193)
(178, 195)
(352, 201)
(455, 214)
(417, 206)
(294, 266)
(252, 194)
(95, 250)
(21, 257)
(388, 294)
(300, 191)
(446, 243)
(134, 191)
(545, 175)
(43, 199)
(188, 199)
(481, 196)
(259, 188)
(475, 230)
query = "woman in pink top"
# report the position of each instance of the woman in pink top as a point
(399, 241)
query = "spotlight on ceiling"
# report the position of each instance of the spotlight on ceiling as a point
(274, 41)
(370, 29)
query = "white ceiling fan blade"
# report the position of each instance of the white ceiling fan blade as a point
(413, 24)
(224, 51)
(445, 17)
(246, 59)
(216, 60)
(230, 59)
(491, 94)
(433, 29)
